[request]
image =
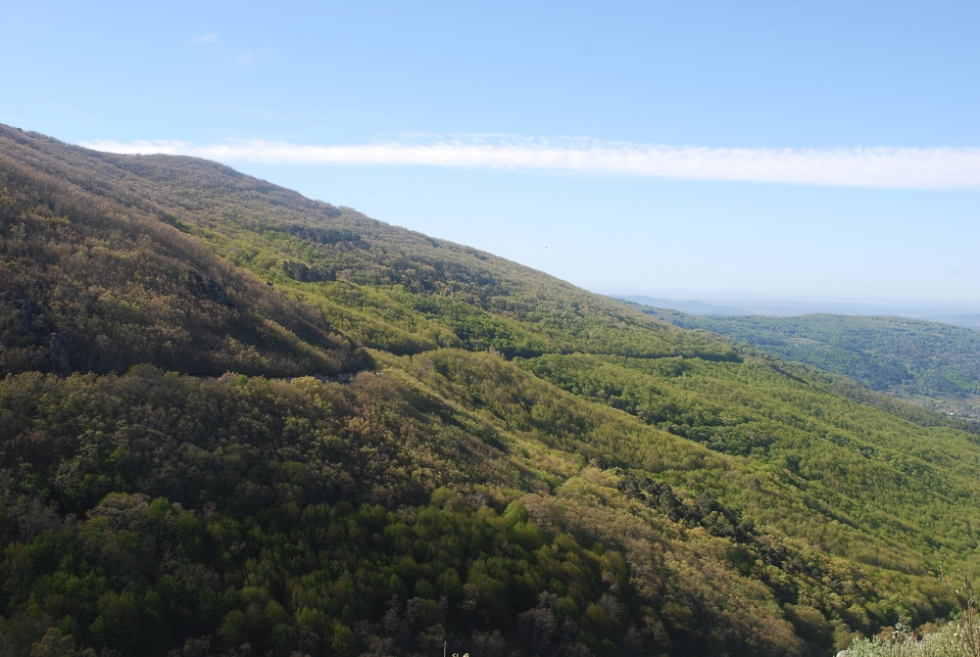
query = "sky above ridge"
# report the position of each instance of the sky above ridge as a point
(691, 149)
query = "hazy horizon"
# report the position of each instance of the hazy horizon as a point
(958, 314)
(733, 297)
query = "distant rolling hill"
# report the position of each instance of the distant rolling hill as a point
(237, 421)
(934, 364)
(942, 313)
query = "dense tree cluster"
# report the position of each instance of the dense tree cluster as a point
(239, 422)
(146, 512)
(83, 287)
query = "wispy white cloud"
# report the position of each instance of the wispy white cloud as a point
(899, 168)
(210, 37)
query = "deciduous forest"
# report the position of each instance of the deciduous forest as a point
(935, 365)
(235, 421)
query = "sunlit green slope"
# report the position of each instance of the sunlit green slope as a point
(416, 443)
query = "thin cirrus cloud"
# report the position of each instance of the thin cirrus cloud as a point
(896, 168)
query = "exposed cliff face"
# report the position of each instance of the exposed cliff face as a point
(61, 349)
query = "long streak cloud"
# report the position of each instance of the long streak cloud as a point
(897, 168)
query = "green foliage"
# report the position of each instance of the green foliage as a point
(933, 364)
(118, 287)
(402, 443)
(945, 641)
(274, 547)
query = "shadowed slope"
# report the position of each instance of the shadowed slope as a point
(92, 284)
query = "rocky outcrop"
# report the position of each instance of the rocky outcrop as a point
(29, 314)
(212, 290)
(61, 350)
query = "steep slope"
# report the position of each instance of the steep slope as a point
(933, 364)
(516, 465)
(92, 285)
(410, 291)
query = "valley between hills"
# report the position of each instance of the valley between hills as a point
(237, 421)
(933, 364)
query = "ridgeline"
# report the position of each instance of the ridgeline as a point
(238, 421)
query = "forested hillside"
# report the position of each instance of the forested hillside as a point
(936, 365)
(237, 421)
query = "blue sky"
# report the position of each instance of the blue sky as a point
(679, 149)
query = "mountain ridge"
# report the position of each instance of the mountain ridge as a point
(514, 464)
